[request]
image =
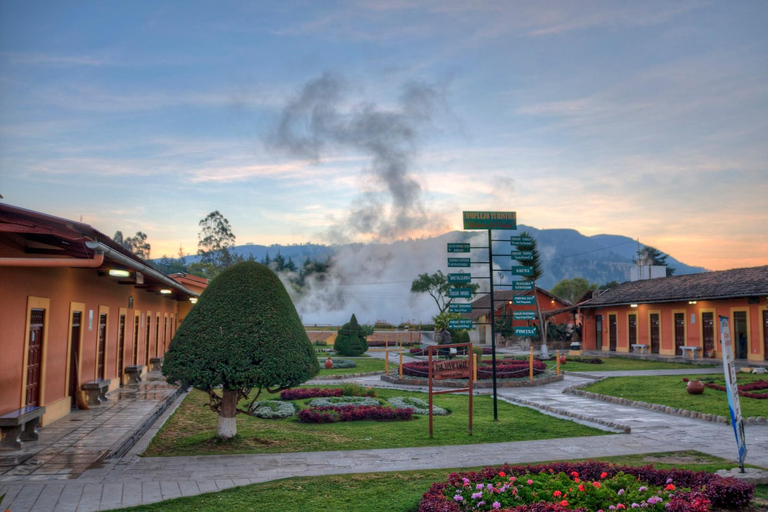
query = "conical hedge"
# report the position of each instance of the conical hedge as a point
(351, 340)
(244, 332)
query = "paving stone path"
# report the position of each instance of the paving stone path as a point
(133, 480)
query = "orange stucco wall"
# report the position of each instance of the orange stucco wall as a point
(693, 314)
(59, 288)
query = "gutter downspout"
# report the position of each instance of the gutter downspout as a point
(96, 262)
(139, 267)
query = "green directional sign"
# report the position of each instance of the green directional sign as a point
(525, 331)
(520, 240)
(459, 308)
(460, 293)
(522, 271)
(522, 285)
(459, 262)
(458, 247)
(460, 278)
(527, 314)
(523, 300)
(490, 220)
(522, 255)
(461, 323)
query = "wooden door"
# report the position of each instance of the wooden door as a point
(121, 348)
(157, 336)
(612, 332)
(599, 332)
(740, 334)
(632, 330)
(655, 333)
(146, 341)
(708, 332)
(165, 333)
(765, 333)
(35, 356)
(101, 370)
(679, 333)
(135, 358)
(74, 357)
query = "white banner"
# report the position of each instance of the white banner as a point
(732, 389)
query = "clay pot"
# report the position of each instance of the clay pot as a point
(562, 360)
(328, 363)
(694, 387)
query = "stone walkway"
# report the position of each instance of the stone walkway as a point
(132, 480)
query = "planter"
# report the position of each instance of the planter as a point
(562, 359)
(694, 387)
(328, 363)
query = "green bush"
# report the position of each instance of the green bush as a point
(272, 409)
(343, 363)
(350, 341)
(479, 352)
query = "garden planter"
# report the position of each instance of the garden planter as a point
(562, 359)
(328, 363)
(694, 387)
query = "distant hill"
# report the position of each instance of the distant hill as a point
(565, 253)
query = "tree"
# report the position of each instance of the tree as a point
(350, 341)
(609, 285)
(651, 256)
(137, 244)
(216, 241)
(243, 333)
(573, 289)
(438, 287)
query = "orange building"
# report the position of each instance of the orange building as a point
(553, 309)
(77, 309)
(679, 315)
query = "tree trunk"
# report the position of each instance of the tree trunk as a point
(227, 426)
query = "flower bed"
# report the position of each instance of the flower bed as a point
(343, 363)
(272, 410)
(392, 343)
(587, 360)
(335, 414)
(585, 486)
(340, 401)
(744, 389)
(302, 393)
(418, 405)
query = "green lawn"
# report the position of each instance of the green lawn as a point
(670, 390)
(364, 364)
(379, 492)
(191, 430)
(624, 363)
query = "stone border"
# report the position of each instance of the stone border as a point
(448, 383)
(343, 376)
(666, 409)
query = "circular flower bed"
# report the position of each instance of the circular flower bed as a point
(342, 401)
(272, 409)
(585, 486)
(505, 369)
(418, 405)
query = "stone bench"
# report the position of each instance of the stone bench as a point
(157, 364)
(693, 352)
(639, 348)
(19, 426)
(134, 373)
(97, 391)
(458, 369)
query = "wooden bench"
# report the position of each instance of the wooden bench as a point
(19, 426)
(134, 373)
(97, 391)
(693, 352)
(442, 370)
(639, 348)
(157, 364)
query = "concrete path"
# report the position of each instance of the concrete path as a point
(133, 480)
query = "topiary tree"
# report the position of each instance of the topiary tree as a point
(351, 339)
(244, 333)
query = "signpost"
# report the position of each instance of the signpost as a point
(732, 390)
(459, 308)
(521, 240)
(523, 300)
(460, 293)
(490, 220)
(522, 285)
(459, 278)
(458, 247)
(525, 331)
(461, 323)
(522, 271)
(528, 314)
(522, 255)
(459, 262)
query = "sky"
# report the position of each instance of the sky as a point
(332, 122)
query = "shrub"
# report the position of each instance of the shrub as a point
(350, 341)
(353, 413)
(320, 343)
(354, 389)
(304, 393)
(340, 401)
(418, 405)
(272, 409)
(588, 360)
(344, 363)
(479, 352)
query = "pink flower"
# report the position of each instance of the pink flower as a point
(529, 481)
(496, 504)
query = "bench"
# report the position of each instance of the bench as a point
(639, 348)
(97, 391)
(157, 364)
(134, 373)
(19, 426)
(458, 369)
(693, 352)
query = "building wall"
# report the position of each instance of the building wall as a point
(59, 291)
(693, 326)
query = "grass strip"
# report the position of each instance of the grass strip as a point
(611, 364)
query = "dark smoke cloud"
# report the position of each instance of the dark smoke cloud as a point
(319, 118)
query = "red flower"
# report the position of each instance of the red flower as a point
(574, 474)
(603, 474)
(581, 487)
(620, 506)
(564, 503)
(669, 487)
(596, 484)
(502, 474)
(557, 494)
